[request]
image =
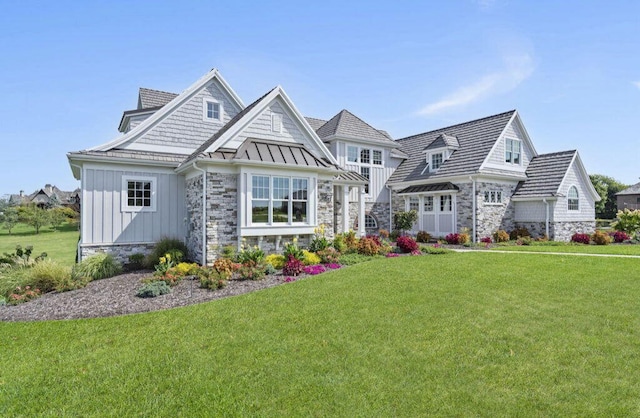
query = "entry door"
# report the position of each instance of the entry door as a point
(445, 215)
(438, 215)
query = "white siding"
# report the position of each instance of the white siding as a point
(496, 158)
(185, 126)
(105, 223)
(532, 211)
(586, 203)
(260, 128)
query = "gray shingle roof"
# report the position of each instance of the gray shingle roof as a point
(545, 174)
(346, 124)
(315, 122)
(148, 98)
(444, 141)
(635, 189)
(475, 138)
(134, 155)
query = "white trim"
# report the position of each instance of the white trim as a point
(514, 118)
(121, 161)
(124, 205)
(128, 167)
(586, 180)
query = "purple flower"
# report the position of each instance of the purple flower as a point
(289, 279)
(316, 269)
(389, 255)
(333, 266)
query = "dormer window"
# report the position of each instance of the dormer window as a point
(212, 110)
(512, 151)
(436, 161)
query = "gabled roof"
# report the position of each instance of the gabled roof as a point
(475, 138)
(148, 98)
(545, 174)
(347, 125)
(243, 118)
(635, 189)
(444, 141)
(168, 108)
(315, 123)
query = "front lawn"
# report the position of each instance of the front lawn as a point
(619, 249)
(60, 246)
(469, 334)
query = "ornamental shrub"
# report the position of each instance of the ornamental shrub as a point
(404, 220)
(351, 241)
(292, 249)
(423, 236)
(435, 250)
(463, 238)
(167, 246)
(339, 244)
(136, 262)
(368, 246)
(225, 267)
(351, 259)
(23, 294)
(580, 238)
(253, 254)
(500, 236)
(452, 238)
(406, 244)
(384, 234)
(601, 238)
(275, 260)
(519, 233)
(328, 255)
(212, 278)
(628, 221)
(310, 258)
(185, 269)
(485, 240)
(619, 236)
(96, 267)
(153, 289)
(49, 275)
(292, 267)
(252, 270)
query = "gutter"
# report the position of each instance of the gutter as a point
(546, 219)
(204, 213)
(390, 207)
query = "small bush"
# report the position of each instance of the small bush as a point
(423, 236)
(153, 289)
(619, 236)
(452, 239)
(292, 267)
(328, 255)
(310, 258)
(394, 235)
(351, 241)
(500, 236)
(3, 300)
(252, 270)
(275, 260)
(580, 238)
(255, 255)
(229, 252)
(225, 267)
(368, 246)
(292, 249)
(185, 269)
(166, 246)
(23, 294)
(601, 238)
(523, 241)
(627, 221)
(339, 244)
(486, 240)
(49, 276)
(384, 234)
(435, 250)
(136, 262)
(269, 269)
(407, 244)
(96, 267)
(351, 259)
(519, 232)
(213, 279)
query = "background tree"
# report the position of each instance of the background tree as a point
(34, 216)
(607, 187)
(9, 218)
(57, 217)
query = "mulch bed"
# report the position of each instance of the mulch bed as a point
(117, 296)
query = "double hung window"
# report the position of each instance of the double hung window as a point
(512, 151)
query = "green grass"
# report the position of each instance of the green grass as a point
(473, 334)
(60, 245)
(619, 249)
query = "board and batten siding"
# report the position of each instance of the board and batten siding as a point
(586, 203)
(104, 222)
(497, 155)
(185, 127)
(378, 174)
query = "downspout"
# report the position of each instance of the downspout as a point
(390, 208)
(204, 213)
(546, 219)
(473, 207)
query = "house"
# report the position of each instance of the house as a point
(48, 196)
(203, 166)
(629, 198)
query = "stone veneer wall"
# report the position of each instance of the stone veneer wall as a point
(492, 217)
(222, 213)
(194, 212)
(120, 252)
(559, 231)
(272, 244)
(326, 206)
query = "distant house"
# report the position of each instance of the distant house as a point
(204, 167)
(48, 196)
(629, 198)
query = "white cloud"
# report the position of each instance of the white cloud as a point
(636, 83)
(518, 68)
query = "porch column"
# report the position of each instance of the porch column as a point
(345, 208)
(361, 230)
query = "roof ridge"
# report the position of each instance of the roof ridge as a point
(159, 91)
(457, 125)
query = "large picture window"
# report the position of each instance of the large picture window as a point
(138, 194)
(278, 200)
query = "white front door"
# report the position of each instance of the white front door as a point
(438, 214)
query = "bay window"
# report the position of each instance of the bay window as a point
(279, 200)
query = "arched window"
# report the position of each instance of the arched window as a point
(573, 199)
(370, 222)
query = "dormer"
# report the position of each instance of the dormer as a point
(437, 152)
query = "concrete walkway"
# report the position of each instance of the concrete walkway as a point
(545, 252)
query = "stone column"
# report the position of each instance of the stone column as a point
(361, 230)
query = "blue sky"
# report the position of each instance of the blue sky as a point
(571, 68)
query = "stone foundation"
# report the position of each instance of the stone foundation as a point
(120, 252)
(271, 244)
(562, 231)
